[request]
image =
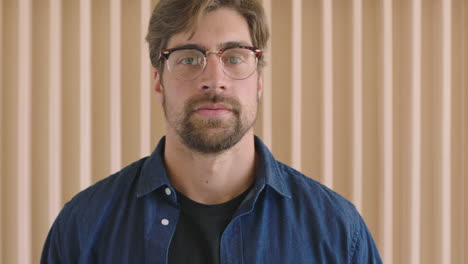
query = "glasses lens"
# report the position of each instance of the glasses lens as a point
(239, 63)
(186, 64)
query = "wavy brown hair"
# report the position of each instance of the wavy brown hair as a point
(174, 16)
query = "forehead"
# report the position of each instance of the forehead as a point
(214, 29)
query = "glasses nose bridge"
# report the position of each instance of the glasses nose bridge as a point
(218, 53)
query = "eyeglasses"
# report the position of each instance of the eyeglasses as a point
(187, 64)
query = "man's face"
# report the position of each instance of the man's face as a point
(212, 112)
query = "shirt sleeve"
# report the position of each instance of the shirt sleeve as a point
(365, 250)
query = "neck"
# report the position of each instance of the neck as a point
(214, 178)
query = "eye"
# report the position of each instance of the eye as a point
(188, 61)
(236, 56)
(234, 60)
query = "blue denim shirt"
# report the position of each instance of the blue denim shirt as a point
(130, 217)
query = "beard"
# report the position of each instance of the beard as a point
(210, 135)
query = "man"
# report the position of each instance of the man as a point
(211, 192)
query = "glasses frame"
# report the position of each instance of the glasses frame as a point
(165, 53)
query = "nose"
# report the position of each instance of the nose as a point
(213, 76)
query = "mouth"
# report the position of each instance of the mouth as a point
(213, 110)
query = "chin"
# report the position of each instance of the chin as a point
(212, 140)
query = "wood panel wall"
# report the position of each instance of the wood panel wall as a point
(369, 97)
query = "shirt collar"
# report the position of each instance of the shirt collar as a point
(268, 172)
(154, 175)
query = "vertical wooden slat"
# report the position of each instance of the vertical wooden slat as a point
(457, 223)
(267, 118)
(296, 113)
(327, 62)
(372, 60)
(55, 110)
(115, 85)
(24, 132)
(101, 91)
(281, 78)
(401, 60)
(71, 99)
(465, 131)
(10, 93)
(386, 197)
(357, 105)
(1, 130)
(312, 89)
(131, 98)
(415, 180)
(85, 93)
(343, 98)
(446, 172)
(40, 124)
(145, 85)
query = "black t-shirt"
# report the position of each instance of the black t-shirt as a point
(199, 229)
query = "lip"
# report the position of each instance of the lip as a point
(213, 110)
(214, 107)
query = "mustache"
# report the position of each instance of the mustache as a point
(196, 102)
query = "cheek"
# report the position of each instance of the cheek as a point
(251, 93)
(249, 98)
(174, 97)
(172, 103)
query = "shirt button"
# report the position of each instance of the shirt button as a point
(165, 222)
(168, 191)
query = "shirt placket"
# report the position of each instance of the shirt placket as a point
(164, 222)
(231, 250)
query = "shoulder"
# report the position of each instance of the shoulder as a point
(311, 190)
(330, 215)
(88, 205)
(106, 188)
(73, 229)
(316, 201)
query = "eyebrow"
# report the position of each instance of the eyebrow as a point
(221, 45)
(189, 46)
(234, 44)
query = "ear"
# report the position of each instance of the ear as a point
(158, 87)
(260, 85)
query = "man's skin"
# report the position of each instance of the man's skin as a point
(211, 178)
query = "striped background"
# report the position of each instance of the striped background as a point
(370, 97)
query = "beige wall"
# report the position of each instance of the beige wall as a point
(370, 97)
